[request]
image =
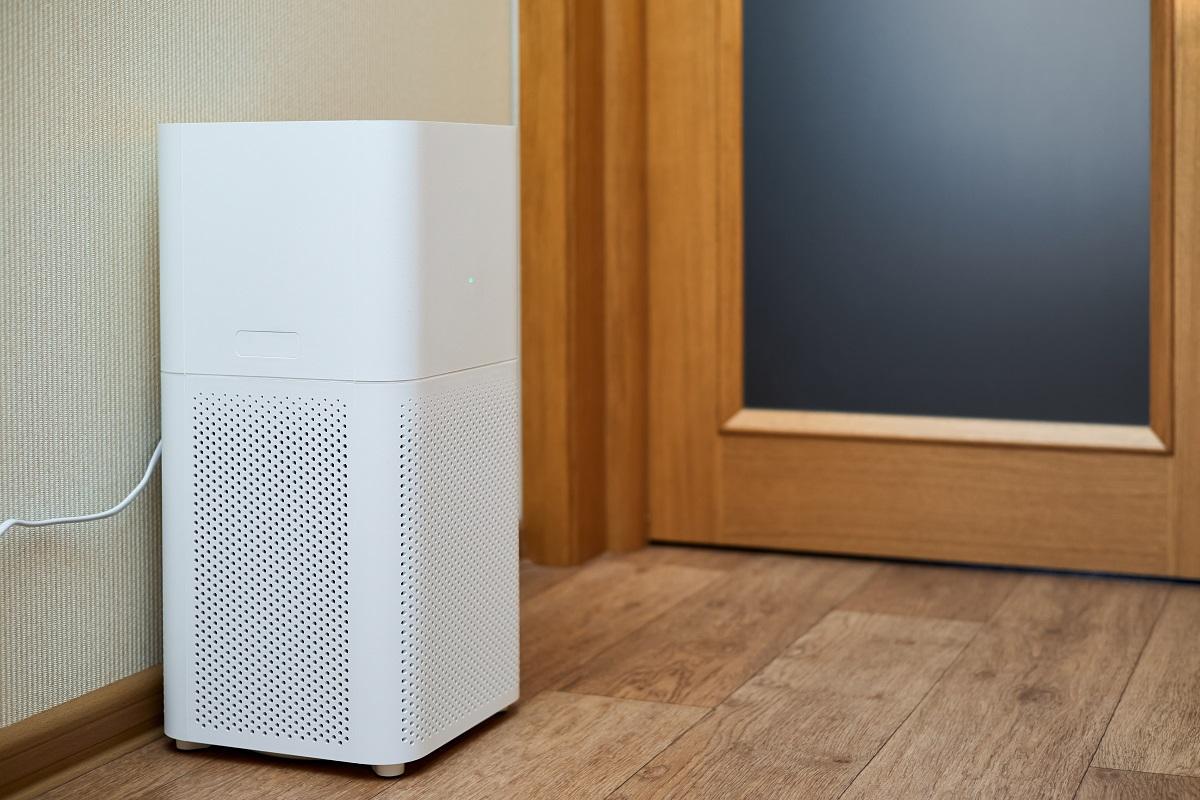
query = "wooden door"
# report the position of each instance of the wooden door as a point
(1077, 495)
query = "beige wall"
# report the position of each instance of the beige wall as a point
(82, 83)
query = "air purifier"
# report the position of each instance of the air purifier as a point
(340, 420)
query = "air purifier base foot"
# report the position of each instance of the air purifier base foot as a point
(180, 744)
(388, 770)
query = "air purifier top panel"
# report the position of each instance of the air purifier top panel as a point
(371, 251)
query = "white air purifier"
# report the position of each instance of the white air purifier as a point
(340, 435)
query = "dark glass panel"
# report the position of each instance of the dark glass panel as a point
(947, 207)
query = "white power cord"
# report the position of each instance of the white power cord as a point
(37, 523)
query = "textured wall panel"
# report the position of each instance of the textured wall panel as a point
(81, 85)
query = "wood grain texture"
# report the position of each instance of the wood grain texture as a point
(53, 746)
(702, 650)
(227, 774)
(556, 745)
(962, 430)
(730, 209)
(1185, 491)
(141, 771)
(1016, 712)
(562, 336)
(1108, 498)
(625, 278)
(1156, 727)
(682, 206)
(1162, 222)
(923, 591)
(585, 280)
(1115, 784)
(537, 578)
(809, 722)
(85, 764)
(545, 391)
(1022, 710)
(575, 620)
(1075, 510)
(158, 770)
(718, 558)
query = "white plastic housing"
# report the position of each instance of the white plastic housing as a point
(340, 434)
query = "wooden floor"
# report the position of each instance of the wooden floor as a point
(690, 673)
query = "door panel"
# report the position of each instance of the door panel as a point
(1047, 490)
(1029, 507)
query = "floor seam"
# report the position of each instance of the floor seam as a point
(665, 748)
(957, 657)
(1183, 775)
(1128, 679)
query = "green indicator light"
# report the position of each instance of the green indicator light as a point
(471, 279)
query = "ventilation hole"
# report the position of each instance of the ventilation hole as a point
(460, 499)
(271, 643)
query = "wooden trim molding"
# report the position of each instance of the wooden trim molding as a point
(1162, 221)
(1185, 242)
(583, 278)
(682, 204)
(561, 350)
(730, 211)
(51, 748)
(894, 427)
(625, 278)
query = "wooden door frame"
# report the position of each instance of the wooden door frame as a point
(621, 111)
(583, 278)
(698, 430)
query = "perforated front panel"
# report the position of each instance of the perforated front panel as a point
(271, 575)
(460, 487)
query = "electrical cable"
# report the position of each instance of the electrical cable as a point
(37, 523)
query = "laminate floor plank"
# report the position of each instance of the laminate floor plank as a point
(919, 590)
(1156, 727)
(558, 745)
(575, 620)
(1021, 712)
(1116, 784)
(806, 725)
(159, 772)
(689, 556)
(836, 697)
(700, 651)
(134, 774)
(536, 578)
